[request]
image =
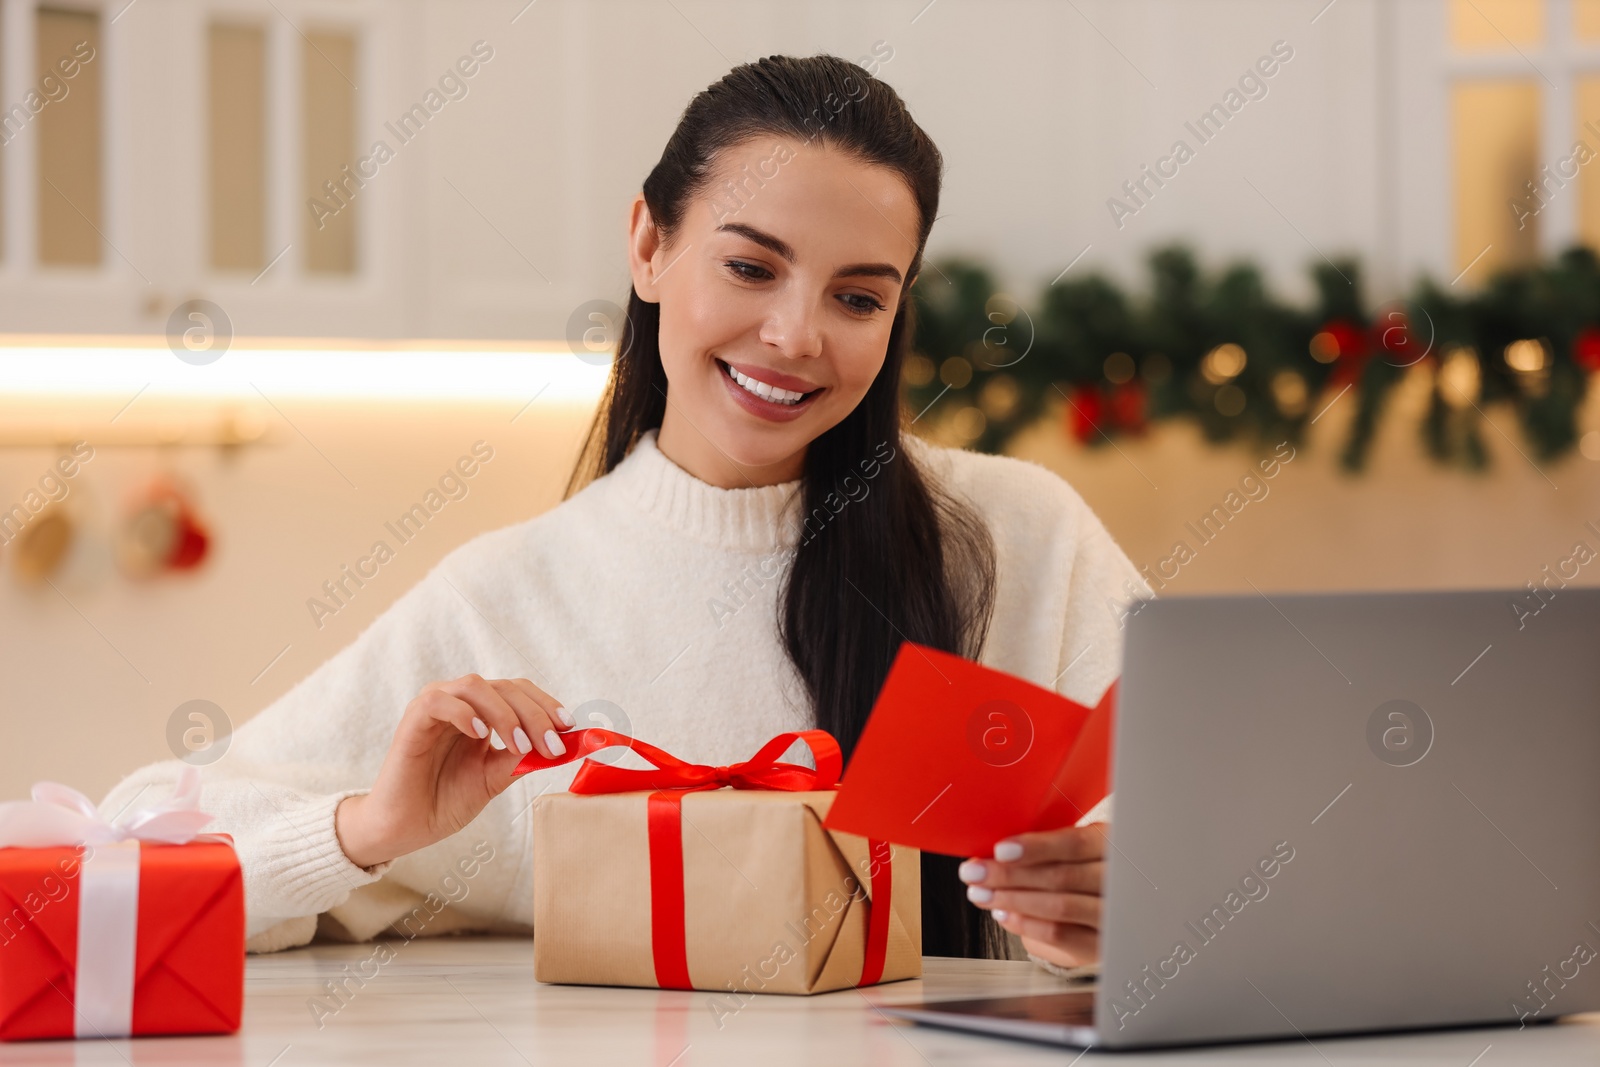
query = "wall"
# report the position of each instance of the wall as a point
(91, 671)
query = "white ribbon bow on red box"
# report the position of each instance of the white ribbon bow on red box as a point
(108, 888)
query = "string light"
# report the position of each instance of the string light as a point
(1324, 347)
(1223, 363)
(1289, 393)
(1460, 376)
(1526, 357)
(1119, 368)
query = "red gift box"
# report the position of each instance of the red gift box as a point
(188, 973)
(138, 930)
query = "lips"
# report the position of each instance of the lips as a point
(767, 394)
(767, 376)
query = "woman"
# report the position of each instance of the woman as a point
(748, 538)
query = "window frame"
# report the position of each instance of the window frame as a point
(155, 178)
(1555, 67)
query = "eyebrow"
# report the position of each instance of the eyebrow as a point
(779, 246)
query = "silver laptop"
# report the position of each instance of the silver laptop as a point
(1342, 813)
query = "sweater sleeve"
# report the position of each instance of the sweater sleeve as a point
(277, 784)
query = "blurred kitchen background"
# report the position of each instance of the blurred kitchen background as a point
(274, 338)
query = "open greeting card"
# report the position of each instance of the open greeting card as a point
(957, 756)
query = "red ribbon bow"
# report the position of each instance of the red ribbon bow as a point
(669, 781)
(761, 771)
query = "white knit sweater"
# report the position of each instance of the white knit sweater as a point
(650, 589)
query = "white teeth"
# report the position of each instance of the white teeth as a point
(763, 390)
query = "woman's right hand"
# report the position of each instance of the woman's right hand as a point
(440, 770)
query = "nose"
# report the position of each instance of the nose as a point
(793, 324)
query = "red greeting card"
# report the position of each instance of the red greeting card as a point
(957, 756)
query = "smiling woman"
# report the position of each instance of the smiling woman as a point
(763, 346)
(748, 538)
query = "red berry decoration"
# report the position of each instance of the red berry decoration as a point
(1586, 349)
(1354, 350)
(1129, 402)
(1085, 413)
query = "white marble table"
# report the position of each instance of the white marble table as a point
(474, 1001)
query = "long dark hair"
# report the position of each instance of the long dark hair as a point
(906, 561)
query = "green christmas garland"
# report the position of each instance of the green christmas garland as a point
(1219, 349)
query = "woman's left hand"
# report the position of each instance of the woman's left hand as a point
(1045, 887)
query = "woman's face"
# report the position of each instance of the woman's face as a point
(777, 294)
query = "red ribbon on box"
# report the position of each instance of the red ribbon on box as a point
(669, 781)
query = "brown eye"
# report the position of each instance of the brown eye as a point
(867, 306)
(748, 271)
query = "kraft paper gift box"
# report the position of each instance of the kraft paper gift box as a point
(117, 935)
(690, 885)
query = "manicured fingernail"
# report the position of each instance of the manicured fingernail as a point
(480, 727)
(1000, 916)
(520, 737)
(1007, 851)
(972, 872)
(566, 717)
(553, 742)
(979, 894)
